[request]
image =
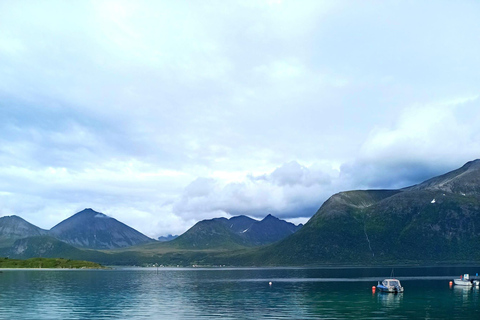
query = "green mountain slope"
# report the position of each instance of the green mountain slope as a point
(49, 247)
(438, 220)
(209, 234)
(41, 246)
(234, 233)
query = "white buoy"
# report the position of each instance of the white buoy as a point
(270, 283)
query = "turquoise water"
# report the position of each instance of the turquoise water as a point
(327, 293)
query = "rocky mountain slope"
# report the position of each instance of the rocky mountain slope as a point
(14, 227)
(94, 230)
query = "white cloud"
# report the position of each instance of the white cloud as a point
(426, 140)
(161, 113)
(291, 190)
(427, 131)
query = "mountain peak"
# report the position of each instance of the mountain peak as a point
(270, 217)
(91, 229)
(464, 181)
(15, 227)
(474, 164)
(88, 211)
(13, 217)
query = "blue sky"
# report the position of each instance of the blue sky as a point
(164, 113)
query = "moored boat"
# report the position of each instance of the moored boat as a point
(390, 285)
(465, 281)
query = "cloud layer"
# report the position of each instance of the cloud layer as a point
(163, 113)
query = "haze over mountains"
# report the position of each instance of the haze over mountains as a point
(437, 221)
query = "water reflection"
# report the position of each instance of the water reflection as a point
(227, 294)
(390, 300)
(463, 291)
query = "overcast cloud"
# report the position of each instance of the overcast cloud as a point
(163, 113)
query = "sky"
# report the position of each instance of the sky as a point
(164, 113)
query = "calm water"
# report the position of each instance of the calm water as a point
(340, 293)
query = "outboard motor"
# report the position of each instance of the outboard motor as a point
(396, 288)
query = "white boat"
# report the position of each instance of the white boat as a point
(465, 281)
(390, 285)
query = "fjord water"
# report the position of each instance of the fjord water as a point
(295, 293)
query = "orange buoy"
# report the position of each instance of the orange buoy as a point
(450, 284)
(373, 289)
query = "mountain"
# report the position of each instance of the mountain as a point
(14, 227)
(210, 234)
(269, 230)
(437, 220)
(94, 230)
(464, 181)
(234, 233)
(167, 238)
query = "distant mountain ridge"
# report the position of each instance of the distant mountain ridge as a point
(170, 237)
(89, 229)
(236, 232)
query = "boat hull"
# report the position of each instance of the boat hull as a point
(389, 289)
(461, 282)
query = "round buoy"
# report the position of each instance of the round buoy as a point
(270, 283)
(373, 289)
(450, 284)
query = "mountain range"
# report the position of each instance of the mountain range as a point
(89, 229)
(85, 229)
(235, 233)
(436, 221)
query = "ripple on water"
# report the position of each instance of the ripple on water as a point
(229, 294)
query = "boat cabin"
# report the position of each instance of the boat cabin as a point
(391, 283)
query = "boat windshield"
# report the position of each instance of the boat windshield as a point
(394, 283)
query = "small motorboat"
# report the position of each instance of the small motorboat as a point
(390, 285)
(465, 281)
